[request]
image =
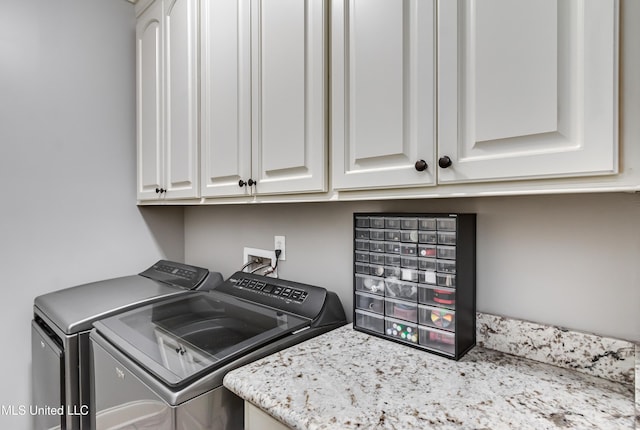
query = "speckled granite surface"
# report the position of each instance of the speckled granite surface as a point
(603, 357)
(638, 386)
(349, 380)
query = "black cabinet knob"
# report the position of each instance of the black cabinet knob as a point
(421, 165)
(242, 183)
(251, 182)
(160, 190)
(445, 162)
(157, 190)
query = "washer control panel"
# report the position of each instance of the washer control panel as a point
(284, 292)
(176, 274)
(304, 300)
(176, 271)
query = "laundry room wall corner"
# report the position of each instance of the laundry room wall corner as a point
(166, 226)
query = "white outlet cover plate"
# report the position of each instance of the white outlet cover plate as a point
(280, 243)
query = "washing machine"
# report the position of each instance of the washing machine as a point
(161, 366)
(60, 330)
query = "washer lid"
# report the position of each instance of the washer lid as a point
(75, 309)
(181, 338)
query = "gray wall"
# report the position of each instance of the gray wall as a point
(67, 166)
(566, 260)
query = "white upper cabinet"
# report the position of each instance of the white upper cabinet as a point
(150, 151)
(226, 97)
(527, 89)
(427, 98)
(167, 109)
(383, 93)
(264, 97)
(289, 95)
(181, 103)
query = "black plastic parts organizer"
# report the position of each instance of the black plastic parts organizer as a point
(415, 279)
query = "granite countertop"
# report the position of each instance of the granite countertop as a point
(346, 379)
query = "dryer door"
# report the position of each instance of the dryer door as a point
(47, 361)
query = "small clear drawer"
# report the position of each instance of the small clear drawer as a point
(401, 330)
(427, 224)
(362, 245)
(446, 266)
(410, 262)
(392, 247)
(362, 268)
(362, 256)
(409, 223)
(376, 222)
(376, 246)
(369, 284)
(437, 317)
(370, 321)
(437, 296)
(401, 289)
(447, 237)
(375, 234)
(446, 252)
(369, 302)
(427, 264)
(362, 233)
(402, 273)
(376, 270)
(400, 309)
(427, 251)
(446, 224)
(446, 280)
(440, 340)
(408, 249)
(427, 277)
(392, 223)
(392, 272)
(409, 236)
(362, 222)
(410, 275)
(392, 259)
(428, 237)
(393, 235)
(376, 258)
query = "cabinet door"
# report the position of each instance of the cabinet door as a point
(289, 95)
(383, 93)
(149, 96)
(181, 98)
(226, 97)
(256, 419)
(527, 89)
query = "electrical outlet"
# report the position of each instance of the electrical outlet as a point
(279, 243)
(263, 258)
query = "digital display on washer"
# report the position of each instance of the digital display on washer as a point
(179, 338)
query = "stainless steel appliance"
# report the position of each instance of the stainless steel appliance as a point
(60, 335)
(161, 366)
